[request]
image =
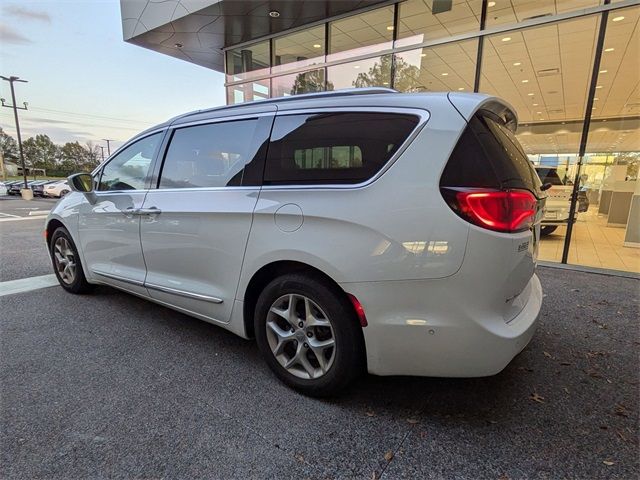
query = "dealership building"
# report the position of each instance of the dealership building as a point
(571, 69)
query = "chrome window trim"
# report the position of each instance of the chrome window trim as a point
(423, 114)
(183, 293)
(221, 119)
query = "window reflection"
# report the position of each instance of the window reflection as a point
(372, 72)
(247, 92)
(299, 49)
(502, 12)
(448, 67)
(250, 58)
(361, 34)
(305, 82)
(421, 20)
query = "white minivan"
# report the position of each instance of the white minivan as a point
(348, 231)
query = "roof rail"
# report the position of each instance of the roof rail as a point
(333, 93)
(266, 101)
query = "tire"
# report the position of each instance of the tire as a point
(66, 263)
(332, 318)
(547, 230)
(63, 193)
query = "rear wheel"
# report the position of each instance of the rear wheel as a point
(63, 193)
(547, 230)
(66, 263)
(309, 335)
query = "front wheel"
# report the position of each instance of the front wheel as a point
(309, 335)
(66, 263)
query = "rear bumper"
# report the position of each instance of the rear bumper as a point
(432, 335)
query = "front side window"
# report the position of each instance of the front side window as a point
(326, 148)
(129, 169)
(212, 155)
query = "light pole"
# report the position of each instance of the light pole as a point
(11, 80)
(102, 151)
(108, 140)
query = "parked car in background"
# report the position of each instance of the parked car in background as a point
(57, 189)
(15, 188)
(346, 231)
(558, 199)
(37, 187)
(3, 188)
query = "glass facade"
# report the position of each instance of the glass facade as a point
(576, 124)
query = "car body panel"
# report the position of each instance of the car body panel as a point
(196, 246)
(109, 236)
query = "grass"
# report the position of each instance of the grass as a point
(11, 178)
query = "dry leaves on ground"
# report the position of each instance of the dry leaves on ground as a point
(388, 456)
(536, 397)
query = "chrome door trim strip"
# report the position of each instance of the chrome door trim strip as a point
(182, 293)
(118, 278)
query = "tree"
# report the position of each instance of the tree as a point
(308, 82)
(93, 156)
(8, 146)
(406, 76)
(40, 152)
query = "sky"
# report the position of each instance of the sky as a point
(85, 82)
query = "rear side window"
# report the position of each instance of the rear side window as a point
(212, 155)
(488, 155)
(549, 175)
(328, 148)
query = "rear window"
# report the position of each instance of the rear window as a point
(488, 155)
(348, 147)
(549, 175)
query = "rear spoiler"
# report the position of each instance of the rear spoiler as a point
(468, 104)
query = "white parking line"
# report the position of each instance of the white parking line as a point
(35, 213)
(27, 284)
(9, 215)
(35, 217)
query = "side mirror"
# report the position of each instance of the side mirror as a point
(83, 183)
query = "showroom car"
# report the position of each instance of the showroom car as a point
(348, 231)
(558, 202)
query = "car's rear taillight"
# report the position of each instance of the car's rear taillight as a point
(500, 210)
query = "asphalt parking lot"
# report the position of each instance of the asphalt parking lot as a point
(110, 386)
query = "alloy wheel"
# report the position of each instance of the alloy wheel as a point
(65, 260)
(300, 336)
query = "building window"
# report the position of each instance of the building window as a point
(305, 82)
(371, 72)
(299, 49)
(503, 13)
(361, 34)
(449, 67)
(248, 61)
(609, 174)
(423, 20)
(544, 72)
(247, 92)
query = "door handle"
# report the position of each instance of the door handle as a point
(130, 211)
(149, 211)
